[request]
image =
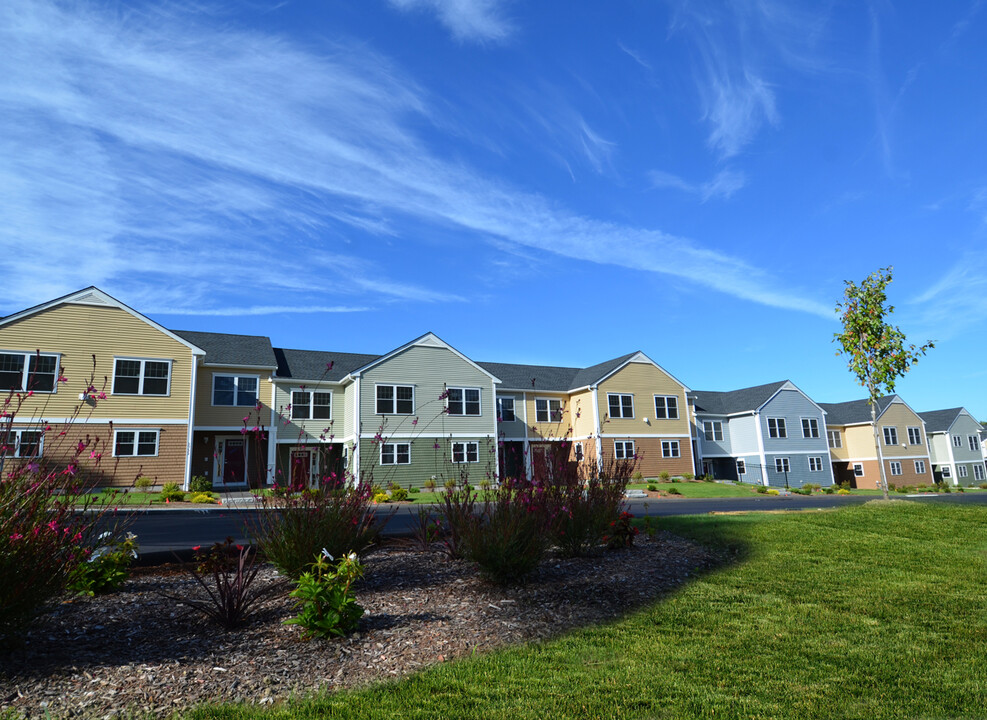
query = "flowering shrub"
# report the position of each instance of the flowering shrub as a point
(622, 532)
(227, 573)
(425, 531)
(322, 597)
(509, 539)
(381, 497)
(295, 527)
(107, 567)
(459, 511)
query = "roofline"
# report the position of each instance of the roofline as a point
(360, 370)
(801, 392)
(238, 365)
(631, 359)
(112, 301)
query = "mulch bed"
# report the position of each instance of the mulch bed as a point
(137, 652)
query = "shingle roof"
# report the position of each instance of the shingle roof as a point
(854, 411)
(735, 401)
(226, 349)
(316, 365)
(939, 420)
(549, 378)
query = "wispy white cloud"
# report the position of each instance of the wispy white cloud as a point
(253, 310)
(146, 152)
(635, 56)
(466, 19)
(724, 184)
(954, 303)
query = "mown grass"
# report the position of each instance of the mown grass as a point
(875, 611)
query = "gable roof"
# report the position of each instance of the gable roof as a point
(736, 401)
(595, 373)
(553, 378)
(236, 350)
(429, 339)
(318, 365)
(854, 411)
(92, 295)
(941, 420)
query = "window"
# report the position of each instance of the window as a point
(815, 464)
(670, 448)
(578, 449)
(547, 410)
(957, 441)
(962, 471)
(235, 390)
(974, 442)
(713, 430)
(920, 467)
(505, 409)
(914, 436)
(666, 407)
(946, 471)
(621, 406)
(890, 435)
(395, 453)
(776, 428)
(134, 376)
(464, 401)
(741, 467)
(23, 444)
(858, 469)
(465, 452)
(895, 467)
(395, 400)
(135, 443)
(835, 439)
(810, 428)
(623, 449)
(978, 472)
(306, 405)
(781, 465)
(28, 371)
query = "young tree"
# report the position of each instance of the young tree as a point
(877, 351)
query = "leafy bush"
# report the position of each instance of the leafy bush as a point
(399, 494)
(842, 491)
(206, 498)
(414, 490)
(802, 491)
(773, 491)
(983, 486)
(199, 484)
(509, 540)
(143, 482)
(638, 476)
(381, 497)
(664, 476)
(429, 484)
(459, 512)
(688, 477)
(761, 489)
(322, 597)
(652, 487)
(292, 530)
(828, 490)
(673, 491)
(171, 492)
(425, 531)
(622, 532)
(107, 567)
(227, 573)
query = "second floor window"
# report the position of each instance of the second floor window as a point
(28, 371)
(547, 410)
(464, 401)
(777, 428)
(505, 409)
(974, 442)
(713, 430)
(395, 400)
(666, 407)
(235, 390)
(890, 435)
(914, 436)
(136, 376)
(810, 428)
(957, 441)
(307, 405)
(835, 439)
(621, 406)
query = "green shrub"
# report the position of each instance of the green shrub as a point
(450, 484)
(761, 489)
(802, 490)
(673, 491)
(510, 539)
(429, 484)
(107, 566)
(322, 597)
(946, 488)
(828, 490)
(638, 476)
(484, 484)
(199, 484)
(773, 491)
(664, 476)
(652, 487)
(203, 498)
(414, 490)
(622, 532)
(143, 482)
(399, 494)
(381, 497)
(688, 477)
(172, 493)
(983, 486)
(842, 491)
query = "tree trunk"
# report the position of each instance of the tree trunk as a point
(881, 479)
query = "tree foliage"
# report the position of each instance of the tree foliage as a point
(877, 350)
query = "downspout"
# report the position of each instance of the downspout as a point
(272, 435)
(357, 412)
(599, 429)
(190, 436)
(829, 452)
(760, 448)
(953, 470)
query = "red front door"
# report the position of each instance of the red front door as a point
(235, 462)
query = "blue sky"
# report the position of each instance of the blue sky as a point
(538, 182)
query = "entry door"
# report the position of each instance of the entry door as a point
(234, 461)
(301, 468)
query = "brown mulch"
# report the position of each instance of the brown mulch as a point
(137, 652)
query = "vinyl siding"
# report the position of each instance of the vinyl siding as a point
(799, 473)
(78, 332)
(714, 447)
(208, 415)
(428, 461)
(309, 431)
(546, 430)
(643, 381)
(899, 416)
(583, 421)
(792, 406)
(650, 461)
(743, 435)
(966, 426)
(514, 429)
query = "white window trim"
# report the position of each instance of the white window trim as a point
(782, 465)
(946, 471)
(466, 455)
(741, 467)
(893, 465)
(857, 466)
(548, 409)
(140, 386)
(500, 409)
(14, 443)
(311, 404)
(978, 472)
(962, 472)
(894, 431)
(974, 442)
(780, 427)
(396, 454)
(918, 432)
(666, 397)
(394, 398)
(578, 451)
(236, 389)
(836, 435)
(136, 432)
(623, 448)
(957, 441)
(716, 428)
(672, 445)
(819, 463)
(620, 404)
(811, 420)
(920, 467)
(479, 400)
(27, 369)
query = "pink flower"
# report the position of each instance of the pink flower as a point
(16, 536)
(102, 396)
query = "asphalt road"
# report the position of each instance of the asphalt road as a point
(161, 533)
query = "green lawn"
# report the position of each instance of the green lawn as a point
(874, 611)
(701, 489)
